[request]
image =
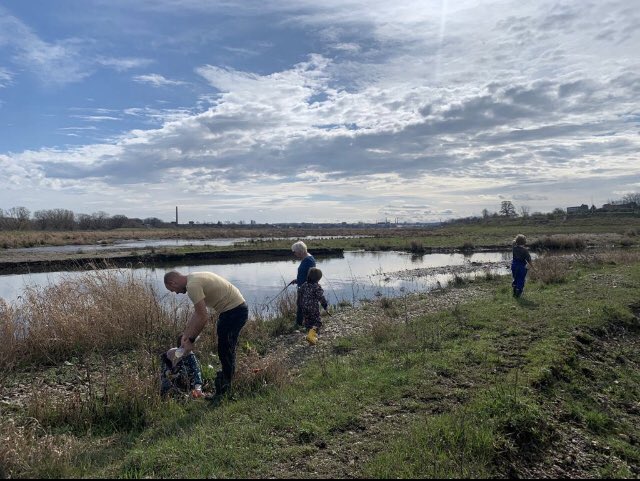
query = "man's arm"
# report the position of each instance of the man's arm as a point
(195, 325)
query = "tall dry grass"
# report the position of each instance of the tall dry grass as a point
(550, 269)
(272, 319)
(255, 373)
(24, 445)
(614, 257)
(96, 311)
(105, 398)
(8, 338)
(559, 242)
(554, 269)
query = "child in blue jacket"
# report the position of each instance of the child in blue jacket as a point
(520, 264)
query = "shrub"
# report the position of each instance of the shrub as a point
(416, 246)
(386, 303)
(468, 246)
(559, 242)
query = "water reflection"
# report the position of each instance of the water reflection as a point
(356, 276)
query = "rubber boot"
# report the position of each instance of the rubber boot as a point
(312, 336)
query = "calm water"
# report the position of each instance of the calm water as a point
(357, 276)
(147, 243)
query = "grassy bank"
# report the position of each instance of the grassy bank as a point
(597, 230)
(547, 384)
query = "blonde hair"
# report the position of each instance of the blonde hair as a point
(520, 240)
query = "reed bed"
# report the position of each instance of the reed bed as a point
(100, 310)
(550, 269)
(555, 269)
(559, 242)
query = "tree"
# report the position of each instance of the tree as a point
(524, 211)
(485, 213)
(629, 198)
(100, 220)
(54, 219)
(118, 221)
(507, 209)
(153, 222)
(84, 221)
(19, 217)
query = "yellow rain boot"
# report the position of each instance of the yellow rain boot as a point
(312, 336)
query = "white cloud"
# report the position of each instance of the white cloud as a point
(157, 80)
(56, 63)
(6, 77)
(124, 64)
(428, 109)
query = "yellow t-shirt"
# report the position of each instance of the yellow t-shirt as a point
(217, 292)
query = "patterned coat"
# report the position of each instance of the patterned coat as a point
(310, 295)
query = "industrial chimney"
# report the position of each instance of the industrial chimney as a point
(176, 216)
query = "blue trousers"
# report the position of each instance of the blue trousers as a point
(519, 272)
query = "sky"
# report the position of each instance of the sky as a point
(307, 111)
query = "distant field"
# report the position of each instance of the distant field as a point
(601, 230)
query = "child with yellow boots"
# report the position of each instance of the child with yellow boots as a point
(310, 295)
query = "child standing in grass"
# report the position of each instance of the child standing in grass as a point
(311, 294)
(519, 265)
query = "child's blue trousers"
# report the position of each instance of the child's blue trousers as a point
(519, 272)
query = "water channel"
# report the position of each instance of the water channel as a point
(352, 278)
(156, 243)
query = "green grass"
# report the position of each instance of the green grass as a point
(473, 391)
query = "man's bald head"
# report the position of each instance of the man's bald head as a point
(175, 282)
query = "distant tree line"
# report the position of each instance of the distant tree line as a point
(21, 218)
(630, 202)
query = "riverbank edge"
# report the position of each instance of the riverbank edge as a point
(155, 259)
(159, 259)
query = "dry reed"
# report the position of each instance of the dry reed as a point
(550, 269)
(96, 311)
(25, 445)
(112, 396)
(255, 373)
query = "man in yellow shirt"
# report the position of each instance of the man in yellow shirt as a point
(206, 289)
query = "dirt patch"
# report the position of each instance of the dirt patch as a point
(581, 450)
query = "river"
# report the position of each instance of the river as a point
(356, 276)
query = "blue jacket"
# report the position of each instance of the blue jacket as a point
(303, 269)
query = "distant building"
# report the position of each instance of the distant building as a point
(583, 209)
(628, 207)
